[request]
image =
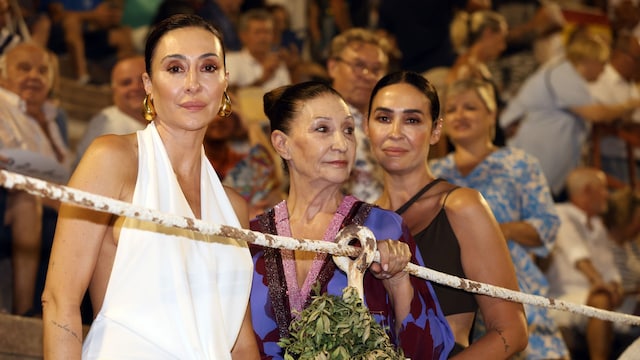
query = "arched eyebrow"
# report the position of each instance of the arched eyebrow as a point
(405, 111)
(182, 57)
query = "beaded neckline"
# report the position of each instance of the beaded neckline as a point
(298, 296)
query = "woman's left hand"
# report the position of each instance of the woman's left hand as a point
(394, 257)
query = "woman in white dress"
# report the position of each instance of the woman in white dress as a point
(157, 292)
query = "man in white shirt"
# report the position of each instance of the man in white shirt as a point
(582, 268)
(257, 64)
(26, 76)
(617, 84)
(125, 116)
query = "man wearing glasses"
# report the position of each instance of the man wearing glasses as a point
(358, 59)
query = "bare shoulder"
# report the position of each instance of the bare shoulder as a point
(472, 220)
(464, 202)
(109, 166)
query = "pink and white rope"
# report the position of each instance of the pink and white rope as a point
(84, 199)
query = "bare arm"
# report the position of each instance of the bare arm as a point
(485, 258)
(521, 232)
(246, 347)
(80, 234)
(601, 113)
(585, 266)
(614, 289)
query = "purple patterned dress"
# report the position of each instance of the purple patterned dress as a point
(276, 296)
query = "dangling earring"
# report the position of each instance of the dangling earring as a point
(148, 110)
(225, 107)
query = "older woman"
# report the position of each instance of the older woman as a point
(313, 132)
(158, 292)
(513, 184)
(452, 226)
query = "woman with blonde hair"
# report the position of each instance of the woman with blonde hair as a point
(513, 184)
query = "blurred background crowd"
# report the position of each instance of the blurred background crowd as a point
(564, 75)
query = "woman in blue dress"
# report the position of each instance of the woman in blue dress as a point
(515, 188)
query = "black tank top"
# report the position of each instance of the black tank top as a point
(440, 251)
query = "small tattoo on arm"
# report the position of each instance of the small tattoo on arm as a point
(66, 328)
(504, 341)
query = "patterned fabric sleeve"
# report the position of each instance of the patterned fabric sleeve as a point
(537, 204)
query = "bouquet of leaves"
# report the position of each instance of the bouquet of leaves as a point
(333, 327)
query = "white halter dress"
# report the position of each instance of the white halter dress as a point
(170, 296)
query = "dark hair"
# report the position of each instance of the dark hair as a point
(175, 22)
(282, 104)
(414, 79)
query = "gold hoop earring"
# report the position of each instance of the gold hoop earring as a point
(148, 110)
(225, 107)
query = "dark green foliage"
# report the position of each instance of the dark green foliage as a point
(337, 328)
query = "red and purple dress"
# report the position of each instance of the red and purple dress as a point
(276, 297)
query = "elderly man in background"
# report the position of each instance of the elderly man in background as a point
(582, 268)
(257, 64)
(27, 122)
(125, 115)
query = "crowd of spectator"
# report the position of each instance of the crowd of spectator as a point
(509, 104)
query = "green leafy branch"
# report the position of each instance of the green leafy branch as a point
(336, 328)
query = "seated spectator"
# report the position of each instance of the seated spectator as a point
(512, 183)
(582, 268)
(617, 84)
(257, 64)
(28, 123)
(550, 115)
(89, 31)
(29, 70)
(125, 115)
(358, 58)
